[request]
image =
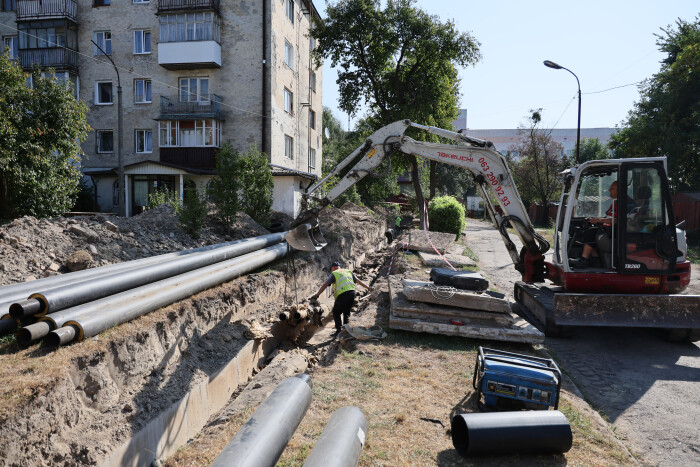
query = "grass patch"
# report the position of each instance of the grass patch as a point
(694, 247)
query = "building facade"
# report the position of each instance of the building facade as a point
(193, 75)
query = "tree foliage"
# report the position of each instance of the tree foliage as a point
(193, 212)
(537, 172)
(665, 120)
(592, 149)
(399, 61)
(224, 187)
(40, 134)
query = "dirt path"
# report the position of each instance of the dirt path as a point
(649, 389)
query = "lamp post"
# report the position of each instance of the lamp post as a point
(556, 66)
(120, 138)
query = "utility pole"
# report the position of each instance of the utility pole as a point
(120, 137)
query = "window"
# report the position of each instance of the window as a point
(312, 81)
(288, 101)
(10, 46)
(103, 93)
(142, 91)
(143, 141)
(312, 119)
(105, 141)
(46, 34)
(101, 2)
(103, 39)
(312, 157)
(182, 27)
(289, 54)
(194, 90)
(312, 43)
(9, 5)
(142, 41)
(141, 2)
(189, 133)
(289, 10)
(288, 147)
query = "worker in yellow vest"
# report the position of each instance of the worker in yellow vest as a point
(343, 282)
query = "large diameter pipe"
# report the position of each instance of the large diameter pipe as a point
(541, 431)
(7, 325)
(341, 442)
(67, 296)
(261, 441)
(94, 317)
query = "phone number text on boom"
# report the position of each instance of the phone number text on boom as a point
(494, 181)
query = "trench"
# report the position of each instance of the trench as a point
(153, 384)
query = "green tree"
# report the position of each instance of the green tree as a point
(193, 212)
(537, 172)
(664, 122)
(40, 134)
(255, 178)
(224, 187)
(398, 61)
(592, 149)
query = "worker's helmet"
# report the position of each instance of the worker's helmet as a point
(335, 264)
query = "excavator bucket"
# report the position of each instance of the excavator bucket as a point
(306, 237)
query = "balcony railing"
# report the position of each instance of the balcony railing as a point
(207, 107)
(193, 158)
(43, 9)
(57, 58)
(180, 5)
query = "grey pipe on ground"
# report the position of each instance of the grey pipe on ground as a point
(261, 441)
(533, 431)
(342, 440)
(94, 317)
(66, 296)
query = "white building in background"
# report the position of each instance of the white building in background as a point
(194, 74)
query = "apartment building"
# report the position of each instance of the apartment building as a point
(193, 74)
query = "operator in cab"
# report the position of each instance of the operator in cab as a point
(599, 236)
(343, 282)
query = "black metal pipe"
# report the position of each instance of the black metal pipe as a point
(540, 431)
(33, 332)
(94, 317)
(56, 299)
(261, 441)
(341, 442)
(7, 325)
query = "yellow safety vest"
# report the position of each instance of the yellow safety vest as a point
(343, 282)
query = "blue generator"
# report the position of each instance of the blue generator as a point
(510, 380)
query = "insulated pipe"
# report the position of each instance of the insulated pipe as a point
(284, 316)
(542, 431)
(7, 325)
(57, 299)
(33, 332)
(94, 317)
(301, 314)
(261, 441)
(341, 442)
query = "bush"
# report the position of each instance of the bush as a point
(193, 212)
(446, 215)
(224, 187)
(257, 185)
(164, 196)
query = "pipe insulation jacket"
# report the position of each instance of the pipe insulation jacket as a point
(541, 431)
(261, 441)
(66, 296)
(20, 291)
(94, 317)
(341, 442)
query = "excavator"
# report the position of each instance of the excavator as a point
(641, 266)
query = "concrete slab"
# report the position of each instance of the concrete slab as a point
(434, 260)
(417, 241)
(424, 291)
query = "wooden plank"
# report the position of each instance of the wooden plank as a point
(420, 291)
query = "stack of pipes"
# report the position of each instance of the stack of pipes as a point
(82, 304)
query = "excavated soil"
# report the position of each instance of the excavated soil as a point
(75, 405)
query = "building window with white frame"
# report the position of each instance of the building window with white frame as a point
(142, 41)
(288, 101)
(143, 141)
(194, 90)
(189, 133)
(289, 54)
(184, 27)
(103, 39)
(289, 10)
(288, 147)
(312, 119)
(10, 46)
(103, 93)
(141, 2)
(312, 158)
(312, 81)
(142, 91)
(105, 141)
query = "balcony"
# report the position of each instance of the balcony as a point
(193, 158)
(47, 9)
(184, 5)
(207, 107)
(189, 55)
(57, 58)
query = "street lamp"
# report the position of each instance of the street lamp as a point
(556, 66)
(120, 137)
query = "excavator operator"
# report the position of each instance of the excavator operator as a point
(599, 235)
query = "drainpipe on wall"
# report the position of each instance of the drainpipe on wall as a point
(264, 146)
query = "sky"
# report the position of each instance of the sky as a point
(605, 43)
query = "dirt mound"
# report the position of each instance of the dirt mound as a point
(31, 248)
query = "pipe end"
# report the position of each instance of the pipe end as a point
(60, 336)
(460, 435)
